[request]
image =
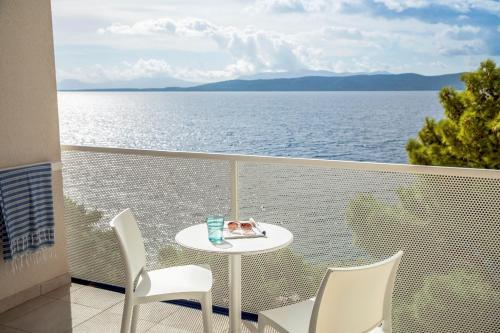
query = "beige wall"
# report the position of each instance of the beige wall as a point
(29, 130)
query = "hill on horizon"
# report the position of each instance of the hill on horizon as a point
(364, 82)
(304, 73)
(141, 83)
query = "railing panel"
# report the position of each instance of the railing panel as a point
(448, 227)
(165, 194)
(447, 221)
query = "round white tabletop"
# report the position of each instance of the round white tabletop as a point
(196, 238)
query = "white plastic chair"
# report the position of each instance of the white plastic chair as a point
(349, 300)
(181, 282)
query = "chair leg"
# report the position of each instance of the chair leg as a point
(127, 314)
(135, 315)
(206, 308)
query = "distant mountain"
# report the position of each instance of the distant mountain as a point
(143, 83)
(302, 73)
(374, 82)
(377, 82)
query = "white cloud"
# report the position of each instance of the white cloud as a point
(124, 72)
(252, 50)
(460, 32)
(185, 27)
(343, 32)
(153, 68)
(144, 27)
(231, 71)
(467, 47)
(399, 6)
(461, 6)
(461, 40)
(310, 6)
(465, 6)
(290, 6)
(301, 6)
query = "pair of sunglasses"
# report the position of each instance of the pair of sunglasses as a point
(234, 225)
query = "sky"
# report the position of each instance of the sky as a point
(204, 41)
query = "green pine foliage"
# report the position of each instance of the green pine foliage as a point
(469, 134)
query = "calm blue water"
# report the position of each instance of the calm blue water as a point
(356, 126)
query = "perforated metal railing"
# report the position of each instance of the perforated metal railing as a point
(447, 220)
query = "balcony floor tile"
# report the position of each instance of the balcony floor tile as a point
(94, 297)
(55, 316)
(5, 329)
(85, 309)
(110, 323)
(188, 320)
(63, 292)
(23, 309)
(153, 312)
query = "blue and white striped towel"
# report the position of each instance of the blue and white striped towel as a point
(26, 210)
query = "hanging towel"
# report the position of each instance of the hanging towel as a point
(26, 210)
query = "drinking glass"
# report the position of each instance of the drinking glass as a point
(215, 225)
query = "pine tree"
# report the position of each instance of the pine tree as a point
(469, 134)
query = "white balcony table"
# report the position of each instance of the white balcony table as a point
(196, 238)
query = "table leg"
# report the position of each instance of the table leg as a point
(235, 293)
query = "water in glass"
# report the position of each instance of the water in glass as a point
(215, 225)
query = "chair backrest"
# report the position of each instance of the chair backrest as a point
(131, 243)
(357, 299)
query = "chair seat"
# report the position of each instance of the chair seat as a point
(173, 282)
(292, 318)
(295, 318)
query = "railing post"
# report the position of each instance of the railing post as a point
(234, 190)
(234, 264)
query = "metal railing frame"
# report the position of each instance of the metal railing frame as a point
(333, 164)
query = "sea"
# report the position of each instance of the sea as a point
(353, 126)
